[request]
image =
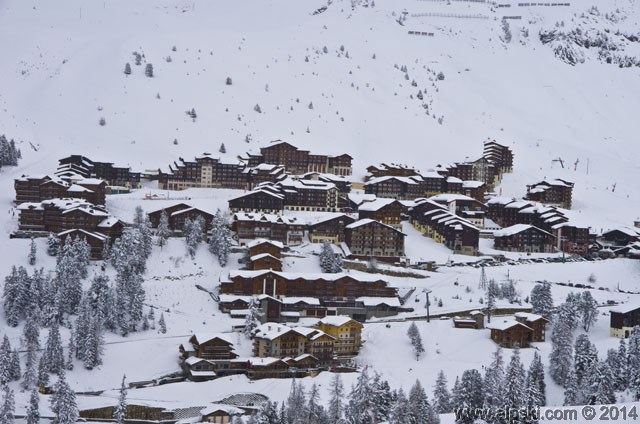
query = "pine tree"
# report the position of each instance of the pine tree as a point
(317, 414)
(336, 394)
(152, 319)
(11, 295)
(30, 378)
(535, 376)
(163, 232)
(296, 404)
(359, 409)
(148, 70)
(420, 411)
(400, 413)
(571, 392)
(381, 398)
(53, 355)
(441, 395)
(222, 149)
(585, 357)
(588, 310)
(600, 385)
(6, 373)
(142, 223)
(253, 318)
(560, 359)
(542, 301)
(162, 324)
(492, 292)
(53, 245)
(494, 381)
(633, 362)
(43, 374)
(514, 384)
(33, 411)
(15, 365)
(468, 393)
(268, 414)
(63, 402)
(621, 370)
(193, 231)
(329, 262)
(120, 412)
(32, 252)
(127, 69)
(418, 348)
(93, 344)
(8, 406)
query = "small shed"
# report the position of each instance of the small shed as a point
(220, 413)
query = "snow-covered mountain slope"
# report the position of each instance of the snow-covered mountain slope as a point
(63, 70)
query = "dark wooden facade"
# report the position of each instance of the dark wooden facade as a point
(96, 241)
(331, 229)
(369, 238)
(554, 192)
(300, 285)
(211, 347)
(510, 335)
(624, 318)
(260, 200)
(524, 238)
(387, 211)
(113, 175)
(298, 161)
(249, 226)
(38, 188)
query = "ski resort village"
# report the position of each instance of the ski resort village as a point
(319, 212)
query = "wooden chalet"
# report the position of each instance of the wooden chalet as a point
(177, 215)
(330, 229)
(38, 188)
(536, 322)
(309, 195)
(274, 283)
(623, 319)
(571, 238)
(58, 215)
(455, 232)
(524, 238)
(205, 172)
(368, 238)
(263, 173)
(208, 346)
(299, 162)
(554, 192)
(500, 155)
(386, 211)
(340, 181)
(85, 167)
(220, 414)
(96, 241)
(277, 340)
(396, 187)
(620, 237)
(261, 200)
(510, 333)
(265, 261)
(250, 226)
(390, 170)
(464, 206)
(262, 246)
(474, 189)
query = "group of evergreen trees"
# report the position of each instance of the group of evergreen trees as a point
(9, 153)
(416, 340)
(220, 239)
(329, 261)
(370, 400)
(509, 388)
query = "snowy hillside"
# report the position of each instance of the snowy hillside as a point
(421, 82)
(66, 72)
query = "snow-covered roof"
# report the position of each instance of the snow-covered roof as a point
(231, 410)
(86, 233)
(90, 181)
(376, 205)
(258, 242)
(336, 320)
(505, 324)
(519, 204)
(472, 184)
(260, 190)
(625, 308)
(262, 256)
(450, 197)
(375, 301)
(368, 221)
(515, 229)
(529, 316)
(108, 222)
(294, 300)
(625, 230)
(205, 337)
(500, 200)
(363, 277)
(377, 180)
(227, 298)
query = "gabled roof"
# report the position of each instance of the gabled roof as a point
(258, 242)
(377, 204)
(505, 325)
(337, 320)
(515, 229)
(625, 308)
(207, 337)
(98, 236)
(368, 221)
